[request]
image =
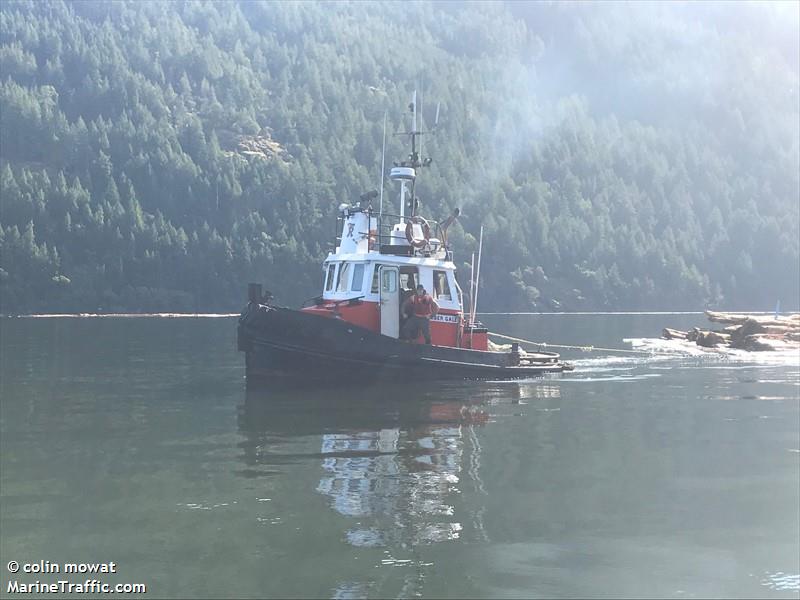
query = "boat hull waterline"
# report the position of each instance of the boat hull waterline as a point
(281, 343)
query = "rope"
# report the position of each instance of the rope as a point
(584, 348)
(595, 313)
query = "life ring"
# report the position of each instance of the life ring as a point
(426, 232)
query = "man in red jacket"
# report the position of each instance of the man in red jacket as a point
(420, 306)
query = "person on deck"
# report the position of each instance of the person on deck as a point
(421, 306)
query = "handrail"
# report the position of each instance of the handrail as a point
(338, 302)
(330, 303)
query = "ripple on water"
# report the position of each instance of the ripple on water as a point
(780, 581)
(621, 377)
(202, 506)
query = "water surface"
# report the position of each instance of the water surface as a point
(135, 440)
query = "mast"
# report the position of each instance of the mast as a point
(477, 278)
(471, 288)
(414, 111)
(414, 154)
(383, 165)
(406, 171)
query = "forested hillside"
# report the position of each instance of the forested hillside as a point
(160, 155)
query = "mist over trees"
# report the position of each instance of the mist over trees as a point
(160, 155)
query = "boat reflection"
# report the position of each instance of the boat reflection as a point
(391, 462)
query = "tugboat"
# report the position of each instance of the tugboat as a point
(355, 328)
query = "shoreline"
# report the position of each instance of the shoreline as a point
(179, 315)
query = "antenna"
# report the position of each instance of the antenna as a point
(414, 160)
(471, 288)
(414, 113)
(421, 114)
(405, 171)
(477, 276)
(414, 153)
(383, 163)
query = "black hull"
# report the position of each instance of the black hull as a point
(285, 344)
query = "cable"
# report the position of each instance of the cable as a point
(584, 348)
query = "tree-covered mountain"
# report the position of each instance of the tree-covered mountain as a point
(160, 155)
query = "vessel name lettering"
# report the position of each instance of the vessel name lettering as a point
(445, 318)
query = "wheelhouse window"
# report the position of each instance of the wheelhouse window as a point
(358, 277)
(409, 277)
(374, 288)
(441, 286)
(344, 274)
(329, 277)
(389, 280)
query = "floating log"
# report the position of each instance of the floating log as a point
(748, 328)
(757, 343)
(712, 339)
(729, 318)
(792, 320)
(744, 332)
(673, 334)
(778, 329)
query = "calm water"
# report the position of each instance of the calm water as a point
(134, 441)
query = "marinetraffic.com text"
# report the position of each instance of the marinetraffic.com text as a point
(64, 586)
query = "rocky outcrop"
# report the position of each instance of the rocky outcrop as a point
(262, 145)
